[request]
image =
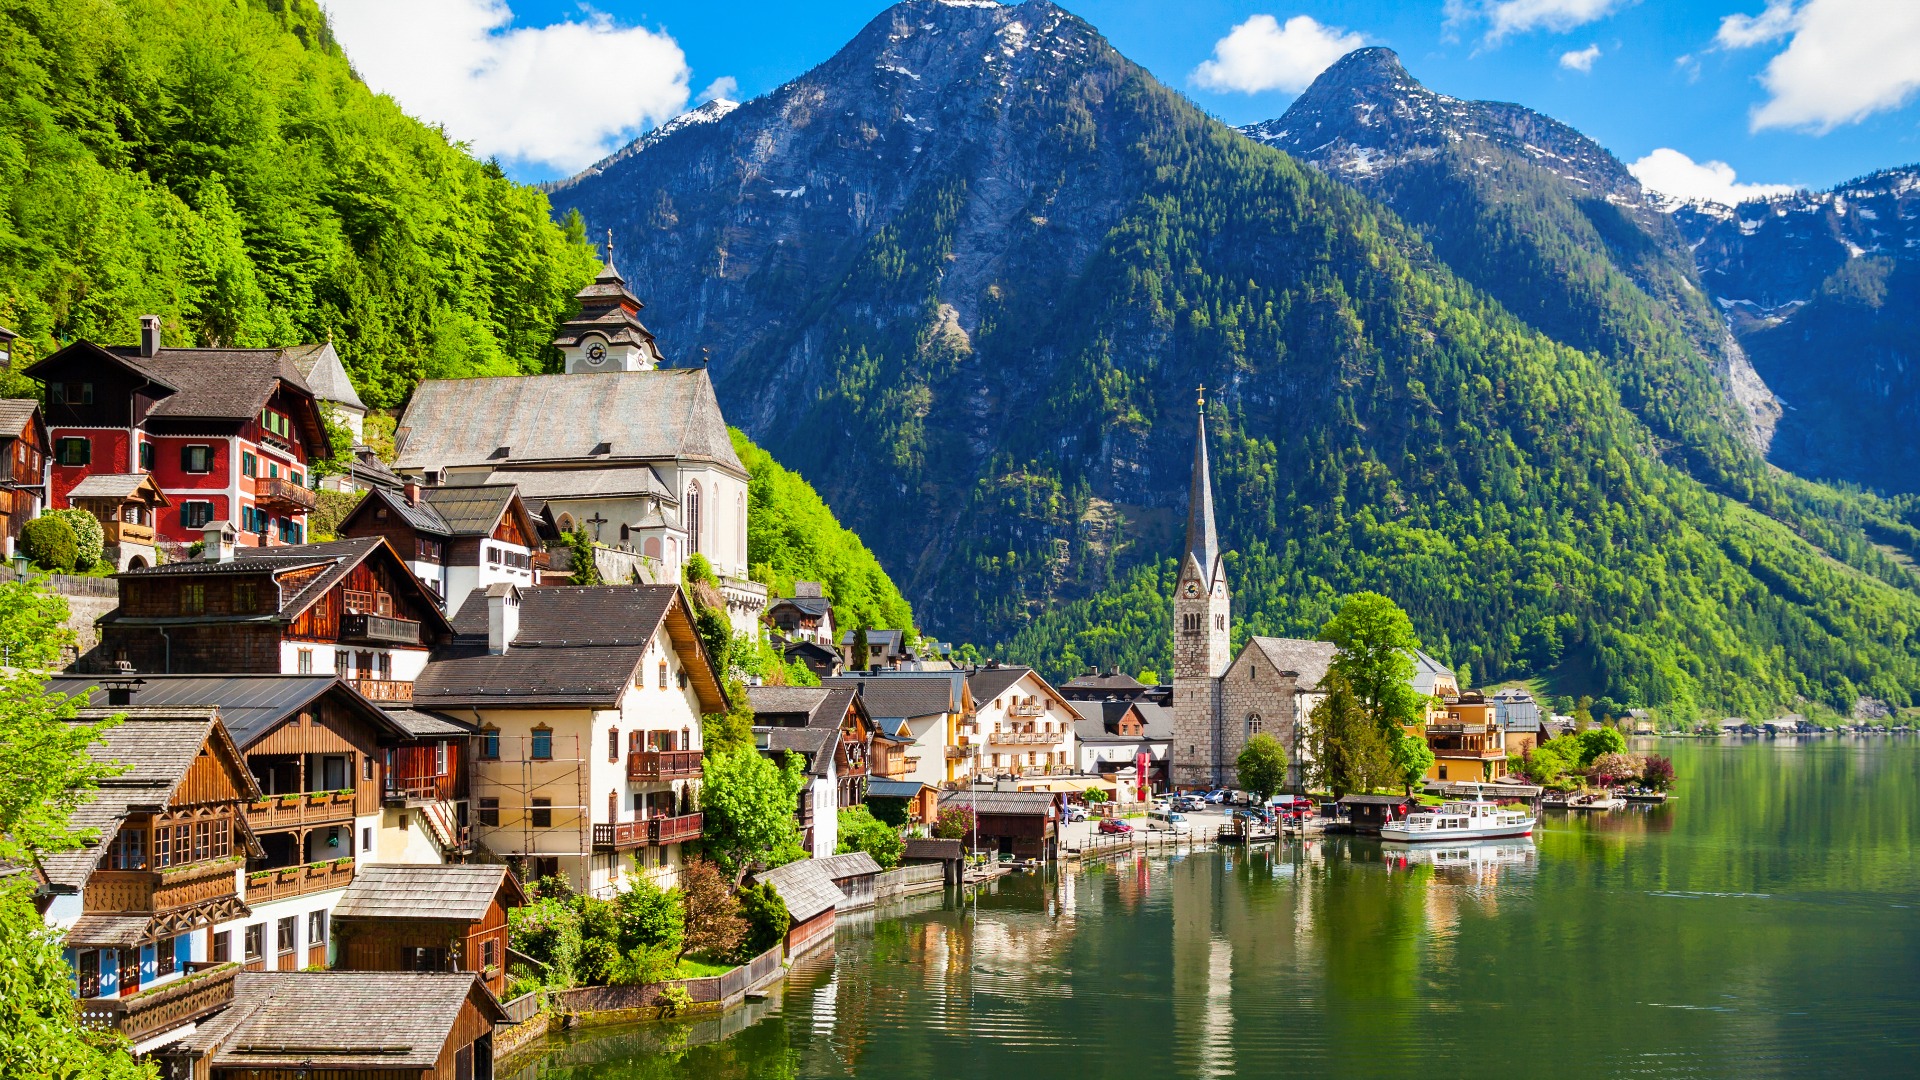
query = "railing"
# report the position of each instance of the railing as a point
(400, 790)
(523, 1008)
(657, 766)
(1027, 710)
(278, 494)
(156, 891)
(956, 753)
(312, 808)
(648, 832)
(114, 532)
(267, 885)
(388, 690)
(165, 1007)
(379, 629)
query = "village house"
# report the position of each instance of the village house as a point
(226, 434)
(1467, 743)
(342, 783)
(349, 607)
(126, 505)
(830, 730)
(807, 615)
(453, 539)
(1023, 725)
(919, 715)
(428, 918)
(886, 650)
(23, 467)
(587, 704)
(636, 454)
(346, 1025)
(1095, 685)
(1518, 717)
(822, 660)
(1117, 732)
(138, 904)
(1018, 824)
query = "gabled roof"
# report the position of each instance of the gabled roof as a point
(906, 695)
(987, 683)
(119, 486)
(888, 639)
(1002, 803)
(427, 892)
(641, 416)
(419, 516)
(1309, 659)
(203, 384)
(1112, 680)
(1156, 721)
(325, 375)
(815, 606)
(1427, 673)
(878, 788)
(250, 705)
(923, 847)
(541, 486)
(851, 864)
(576, 646)
(15, 414)
(342, 1020)
(476, 509)
(157, 746)
(825, 710)
(805, 887)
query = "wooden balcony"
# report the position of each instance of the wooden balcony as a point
(650, 832)
(659, 766)
(115, 532)
(142, 891)
(165, 1007)
(395, 691)
(1027, 710)
(280, 496)
(379, 630)
(267, 885)
(313, 808)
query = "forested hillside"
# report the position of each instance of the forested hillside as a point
(966, 274)
(217, 162)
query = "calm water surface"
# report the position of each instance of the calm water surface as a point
(1765, 924)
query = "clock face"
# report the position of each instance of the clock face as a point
(1193, 589)
(596, 352)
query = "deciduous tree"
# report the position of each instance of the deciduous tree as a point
(1262, 766)
(713, 923)
(1372, 639)
(748, 803)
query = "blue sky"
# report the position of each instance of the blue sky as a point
(1797, 92)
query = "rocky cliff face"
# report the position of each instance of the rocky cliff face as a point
(965, 276)
(1823, 290)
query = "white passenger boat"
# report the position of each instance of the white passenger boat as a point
(1475, 820)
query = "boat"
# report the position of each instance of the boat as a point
(1645, 796)
(1477, 819)
(1603, 800)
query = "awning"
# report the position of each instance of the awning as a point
(108, 931)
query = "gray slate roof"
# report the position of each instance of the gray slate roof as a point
(990, 682)
(904, 695)
(1006, 803)
(421, 724)
(540, 486)
(1109, 681)
(1156, 721)
(325, 375)
(14, 415)
(221, 384)
(576, 645)
(805, 887)
(922, 847)
(424, 892)
(108, 486)
(470, 509)
(852, 864)
(894, 789)
(1427, 672)
(1310, 658)
(340, 1019)
(641, 415)
(250, 705)
(108, 931)
(810, 605)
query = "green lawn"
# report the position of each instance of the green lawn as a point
(693, 968)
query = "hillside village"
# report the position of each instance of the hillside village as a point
(507, 675)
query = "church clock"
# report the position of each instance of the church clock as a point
(596, 352)
(1193, 589)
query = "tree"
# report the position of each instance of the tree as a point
(1412, 757)
(859, 659)
(1583, 713)
(954, 823)
(33, 626)
(1613, 768)
(1262, 766)
(861, 831)
(1349, 753)
(1656, 772)
(89, 539)
(1599, 741)
(713, 923)
(1372, 640)
(584, 568)
(749, 805)
(767, 919)
(1148, 676)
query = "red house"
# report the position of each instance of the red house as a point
(225, 433)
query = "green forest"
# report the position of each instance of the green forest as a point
(218, 163)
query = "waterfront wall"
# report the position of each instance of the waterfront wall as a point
(609, 1004)
(908, 880)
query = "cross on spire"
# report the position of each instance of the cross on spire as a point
(609, 247)
(1203, 542)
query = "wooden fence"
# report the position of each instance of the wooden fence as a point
(718, 990)
(68, 584)
(523, 1008)
(906, 880)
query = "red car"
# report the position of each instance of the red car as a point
(1110, 825)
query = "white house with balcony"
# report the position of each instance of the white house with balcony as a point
(1025, 726)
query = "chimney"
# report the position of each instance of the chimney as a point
(149, 335)
(120, 691)
(217, 540)
(412, 491)
(503, 617)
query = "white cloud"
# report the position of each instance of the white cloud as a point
(1677, 176)
(1504, 17)
(561, 95)
(1261, 54)
(1845, 59)
(726, 86)
(1580, 60)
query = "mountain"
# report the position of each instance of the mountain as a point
(965, 275)
(218, 163)
(1821, 288)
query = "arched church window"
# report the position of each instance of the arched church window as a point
(1253, 724)
(651, 547)
(566, 523)
(693, 516)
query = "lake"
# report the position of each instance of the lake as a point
(1765, 923)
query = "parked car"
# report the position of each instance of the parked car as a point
(1167, 821)
(1292, 807)
(1216, 796)
(1188, 804)
(1114, 825)
(1076, 813)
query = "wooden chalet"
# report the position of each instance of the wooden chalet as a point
(1021, 824)
(454, 539)
(812, 898)
(138, 904)
(23, 466)
(428, 918)
(345, 1025)
(349, 607)
(831, 731)
(127, 505)
(807, 615)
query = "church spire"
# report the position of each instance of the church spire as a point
(1203, 543)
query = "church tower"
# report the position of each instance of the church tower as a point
(607, 334)
(1202, 635)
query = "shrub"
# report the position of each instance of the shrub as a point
(89, 539)
(861, 831)
(1656, 771)
(767, 920)
(712, 915)
(50, 543)
(954, 823)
